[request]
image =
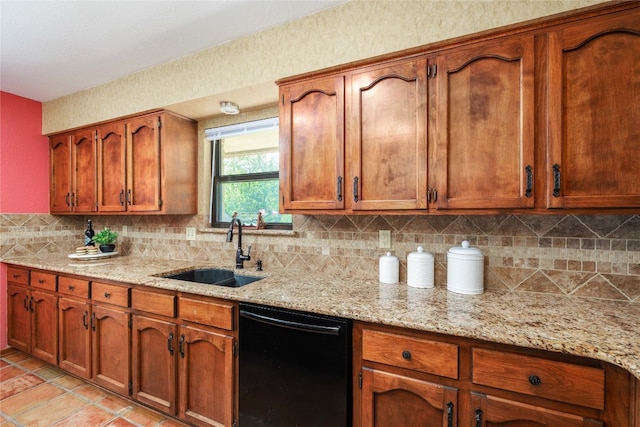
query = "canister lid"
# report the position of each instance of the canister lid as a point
(420, 255)
(388, 258)
(465, 249)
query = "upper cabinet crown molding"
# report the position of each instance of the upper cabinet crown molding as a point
(525, 119)
(144, 164)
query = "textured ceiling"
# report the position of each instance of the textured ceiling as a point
(51, 49)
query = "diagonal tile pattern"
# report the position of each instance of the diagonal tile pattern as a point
(588, 256)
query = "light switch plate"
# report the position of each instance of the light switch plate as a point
(191, 233)
(385, 238)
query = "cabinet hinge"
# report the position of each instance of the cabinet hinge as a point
(360, 380)
(432, 70)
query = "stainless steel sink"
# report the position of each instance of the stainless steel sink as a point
(214, 276)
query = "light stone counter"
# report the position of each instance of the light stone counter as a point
(604, 330)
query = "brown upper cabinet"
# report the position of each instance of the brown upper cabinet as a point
(144, 164)
(523, 119)
(73, 178)
(594, 113)
(484, 115)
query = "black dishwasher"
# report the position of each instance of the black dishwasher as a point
(295, 368)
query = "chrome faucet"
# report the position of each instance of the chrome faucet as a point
(240, 257)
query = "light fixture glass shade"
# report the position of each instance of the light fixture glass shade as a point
(229, 107)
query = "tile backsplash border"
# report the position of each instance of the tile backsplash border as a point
(586, 256)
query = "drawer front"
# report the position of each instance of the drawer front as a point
(210, 313)
(432, 357)
(44, 281)
(153, 302)
(74, 287)
(112, 294)
(18, 275)
(564, 382)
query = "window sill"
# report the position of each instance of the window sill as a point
(252, 231)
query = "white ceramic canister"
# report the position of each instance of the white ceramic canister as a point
(389, 268)
(465, 269)
(420, 269)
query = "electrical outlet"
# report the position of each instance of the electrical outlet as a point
(191, 233)
(125, 231)
(385, 238)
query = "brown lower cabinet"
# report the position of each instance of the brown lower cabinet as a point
(176, 352)
(405, 377)
(184, 366)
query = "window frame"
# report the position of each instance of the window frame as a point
(215, 136)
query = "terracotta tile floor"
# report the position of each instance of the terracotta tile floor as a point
(36, 394)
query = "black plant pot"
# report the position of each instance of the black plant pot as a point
(107, 248)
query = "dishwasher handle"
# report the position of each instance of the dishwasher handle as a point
(304, 327)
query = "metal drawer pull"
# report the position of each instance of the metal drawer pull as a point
(71, 287)
(406, 355)
(535, 380)
(107, 294)
(41, 281)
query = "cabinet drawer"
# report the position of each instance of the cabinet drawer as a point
(564, 382)
(75, 287)
(43, 281)
(18, 275)
(153, 302)
(210, 313)
(432, 357)
(112, 294)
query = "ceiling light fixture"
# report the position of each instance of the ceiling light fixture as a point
(229, 107)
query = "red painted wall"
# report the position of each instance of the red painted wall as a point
(24, 171)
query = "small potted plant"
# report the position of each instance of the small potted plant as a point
(106, 239)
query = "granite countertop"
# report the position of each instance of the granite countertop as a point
(599, 329)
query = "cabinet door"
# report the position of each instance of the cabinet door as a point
(19, 317)
(110, 348)
(44, 326)
(206, 372)
(60, 170)
(312, 145)
(74, 336)
(112, 168)
(492, 411)
(394, 400)
(387, 137)
(83, 161)
(594, 113)
(154, 350)
(143, 164)
(484, 125)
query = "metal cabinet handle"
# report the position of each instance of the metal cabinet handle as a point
(449, 414)
(122, 197)
(181, 346)
(529, 173)
(41, 281)
(129, 196)
(556, 180)
(66, 199)
(355, 188)
(170, 343)
(26, 302)
(339, 188)
(16, 276)
(31, 304)
(71, 287)
(535, 380)
(93, 321)
(107, 295)
(84, 320)
(478, 417)
(406, 355)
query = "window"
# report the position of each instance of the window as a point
(245, 174)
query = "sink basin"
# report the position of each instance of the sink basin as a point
(214, 276)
